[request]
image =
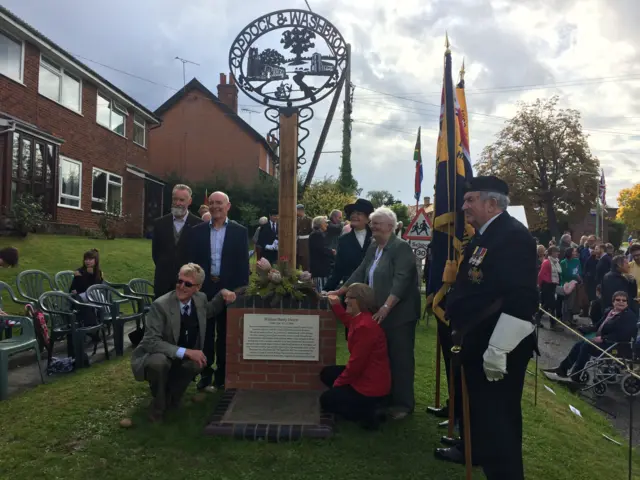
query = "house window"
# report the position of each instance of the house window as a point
(33, 169)
(59, 86)
(106, 193)
(11, 57)
(70, 185)
(139, 130)
(111, 115)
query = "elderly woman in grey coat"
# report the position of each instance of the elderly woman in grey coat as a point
(389, 267)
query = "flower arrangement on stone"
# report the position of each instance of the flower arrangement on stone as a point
(277, 282)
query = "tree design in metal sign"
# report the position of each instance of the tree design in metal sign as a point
(289, 58)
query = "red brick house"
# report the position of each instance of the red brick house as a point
(202, 136)
(70, 137)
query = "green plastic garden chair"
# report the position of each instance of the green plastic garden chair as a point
(20, 343)
(112, 301)
(33, 283)
(62, 310)
(4, 287)
(63, 280)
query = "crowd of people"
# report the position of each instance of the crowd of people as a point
(370, 278)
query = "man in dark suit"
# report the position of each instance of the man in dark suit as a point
(491, 307)
(604, 252)
(353, 245)
(221, 248)
(169, 242)
(267, 238)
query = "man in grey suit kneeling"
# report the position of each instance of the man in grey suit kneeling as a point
(170, 353)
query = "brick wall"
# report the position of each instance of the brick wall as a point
(199, 142)
(84, 141)
(277, 374)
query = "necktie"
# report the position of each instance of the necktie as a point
(273, 227)
(185, 310)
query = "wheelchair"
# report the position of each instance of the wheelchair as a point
(600, 372)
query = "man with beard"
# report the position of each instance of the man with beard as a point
(169, 242)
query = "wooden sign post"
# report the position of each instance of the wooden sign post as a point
(288, 187)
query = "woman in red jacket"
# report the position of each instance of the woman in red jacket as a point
(357, 389)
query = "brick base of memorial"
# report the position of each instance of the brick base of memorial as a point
(274, 359)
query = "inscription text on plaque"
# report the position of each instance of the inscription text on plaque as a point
(281, 337)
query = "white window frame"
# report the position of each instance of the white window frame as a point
(20, 78)
(62, 158)
(53, 67)
(113, 105)
(106, 191)
(143, 125)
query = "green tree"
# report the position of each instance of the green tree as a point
(402, 212)
(629, 208)
(347, 183)
(380, 198)
(543, 154)
(325, 195)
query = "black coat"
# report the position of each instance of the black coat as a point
(234, 269)
(82, 280)
(320, 255)
(266, 237)
(168, 256)
(621, 328)
(616, 282)
(505, 270)
(348, 257)
(602, 268)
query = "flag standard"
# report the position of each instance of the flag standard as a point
(417, 157)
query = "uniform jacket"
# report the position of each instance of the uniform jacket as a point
(167, 255)
(367, 370)
(234, 270)
(349, 255)
(162, 328)
(396, 274)
(499, 264)
(266, 237)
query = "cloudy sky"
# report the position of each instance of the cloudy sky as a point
(586, 51)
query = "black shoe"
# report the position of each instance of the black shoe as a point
(450, 441)
(451, 454)
(204, 382)
(442, 412)
(444, 424)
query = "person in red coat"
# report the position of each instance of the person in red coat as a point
(357, 389)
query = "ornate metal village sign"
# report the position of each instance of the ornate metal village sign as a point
(288, 58)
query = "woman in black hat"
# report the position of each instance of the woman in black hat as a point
(353, 245)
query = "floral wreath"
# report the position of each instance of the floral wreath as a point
(277, 282)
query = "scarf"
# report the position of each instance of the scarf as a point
(556, 270)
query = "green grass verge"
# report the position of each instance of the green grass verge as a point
(70, 429)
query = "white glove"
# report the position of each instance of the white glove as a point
(269, 247)
(507, 335)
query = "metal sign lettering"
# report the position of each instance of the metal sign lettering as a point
(288, 58)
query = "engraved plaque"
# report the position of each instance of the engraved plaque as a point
(281, 337)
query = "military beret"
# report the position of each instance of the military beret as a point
(300, 207)
(487, 183)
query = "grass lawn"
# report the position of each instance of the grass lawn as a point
(69, 429)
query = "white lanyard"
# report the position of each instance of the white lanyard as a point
(374, 265)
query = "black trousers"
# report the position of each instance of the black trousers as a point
(345, 400)
(549, 302)
(496, 413)
(215, 345)
(446, 343)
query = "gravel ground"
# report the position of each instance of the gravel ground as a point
(614, 404)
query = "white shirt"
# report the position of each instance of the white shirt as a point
(178, 223)
(181, 350)
(484, 227)
(361, 236)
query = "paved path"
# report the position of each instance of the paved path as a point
(614, 405)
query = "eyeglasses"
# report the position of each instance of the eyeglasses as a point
(347, 297)
(179, 281)
(624, 300)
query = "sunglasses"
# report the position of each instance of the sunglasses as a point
(186, 283)
(620, 300)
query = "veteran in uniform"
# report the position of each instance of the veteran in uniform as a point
(303, 230)
(491, 307)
